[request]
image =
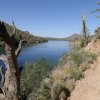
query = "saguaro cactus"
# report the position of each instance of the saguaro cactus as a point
(11, 84)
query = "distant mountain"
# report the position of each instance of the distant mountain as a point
(25, 35)
(76, 36)
(52, 38)
(70, 38)
(73, 37)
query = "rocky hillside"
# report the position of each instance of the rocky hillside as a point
(25, 35)
(73, 37)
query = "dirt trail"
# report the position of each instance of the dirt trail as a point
(88, 88)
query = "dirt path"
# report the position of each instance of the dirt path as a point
(89, 87)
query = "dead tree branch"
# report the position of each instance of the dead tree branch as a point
(14, 30)
(19, 48)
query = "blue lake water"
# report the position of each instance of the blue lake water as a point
(51, 51)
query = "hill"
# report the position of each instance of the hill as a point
(25, 35)
(77, 36)
(52, 38)
(73, 37)
(69, 38)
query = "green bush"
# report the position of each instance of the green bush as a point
(63, 59)
(75, 73)
(32, 76)
(45, 90)
(77, 57)
(70, 84)
(81, 56)
(36, 86)
(72, 66)
(82, 43)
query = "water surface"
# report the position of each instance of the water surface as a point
(51, 51)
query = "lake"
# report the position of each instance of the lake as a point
(51, 51)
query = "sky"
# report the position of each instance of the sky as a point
(50, 18)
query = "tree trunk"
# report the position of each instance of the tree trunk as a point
(11, 84)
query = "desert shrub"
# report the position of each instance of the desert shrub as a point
(82, 56)
(77, 57)
(32, 76)
(70, 84)
(62, 95)
(90, 55)
(81, 43)
(64, 77)
(63, 59)
(75, 73)
(55, 91)
(59, 91)
(37, 86)
(70, 69)
(44, 91)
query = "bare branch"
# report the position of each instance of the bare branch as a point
(19, 48)
(14, 29)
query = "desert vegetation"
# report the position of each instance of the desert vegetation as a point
(31, 78)
(62, 79)
(57, 83)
